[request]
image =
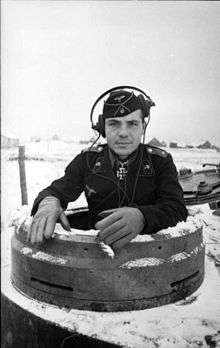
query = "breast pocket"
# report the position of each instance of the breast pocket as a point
(97, 187)
(145, 190)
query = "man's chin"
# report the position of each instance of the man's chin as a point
(122, 152)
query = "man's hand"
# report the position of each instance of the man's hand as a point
(45, 219)
(120, 226)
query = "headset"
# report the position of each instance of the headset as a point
(144, 100)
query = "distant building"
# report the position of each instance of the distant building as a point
(87, 141)
(163, 143)
(35, 139)
(55, 137)
(156, 142)
(173, 144)
(208, 145)
(9, 142)
(84, 142)
(205, 145)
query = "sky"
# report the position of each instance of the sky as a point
(59, 56)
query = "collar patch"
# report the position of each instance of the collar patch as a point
(97, 165)
(147, 169)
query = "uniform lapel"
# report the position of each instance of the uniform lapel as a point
(141, 165)
(103, 165)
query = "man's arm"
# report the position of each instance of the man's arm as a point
(169, 208)
(67, 188)
(49, 205)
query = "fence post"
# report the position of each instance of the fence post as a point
(21, 161)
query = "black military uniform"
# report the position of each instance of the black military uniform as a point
(149, 182)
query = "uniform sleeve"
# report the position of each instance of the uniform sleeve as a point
(68, 188)
(169, 207)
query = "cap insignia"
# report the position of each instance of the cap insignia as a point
(119, 98)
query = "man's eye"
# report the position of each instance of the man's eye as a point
(133, 123)
(112, 124)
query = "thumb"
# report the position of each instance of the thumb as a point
(64, 221)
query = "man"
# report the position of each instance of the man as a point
(131, 188)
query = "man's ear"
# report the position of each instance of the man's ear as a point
(144, 126)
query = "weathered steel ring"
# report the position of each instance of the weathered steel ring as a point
(73, 271)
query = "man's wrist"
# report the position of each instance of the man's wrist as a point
(48, 199)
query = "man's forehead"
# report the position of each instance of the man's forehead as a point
(133, 116)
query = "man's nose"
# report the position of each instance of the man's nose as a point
(123, 131)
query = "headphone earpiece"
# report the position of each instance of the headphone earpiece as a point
(100, 126)
(145, 105)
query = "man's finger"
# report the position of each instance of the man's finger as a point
(109, 220)
(106, 213)
(121, 242)
(40, 230)
(123, 232)
(64, 222)
(30, 231)
(33, 231)
(46, 234)
(50, 226)
(111, 229)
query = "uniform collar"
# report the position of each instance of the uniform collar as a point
(115, 159)
(107, 161)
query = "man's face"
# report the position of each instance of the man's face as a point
(124, 134)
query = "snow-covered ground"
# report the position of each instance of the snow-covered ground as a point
(193, 322)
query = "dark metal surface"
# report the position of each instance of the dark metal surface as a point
(22, 329)
(201, 186)
(76, 273)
